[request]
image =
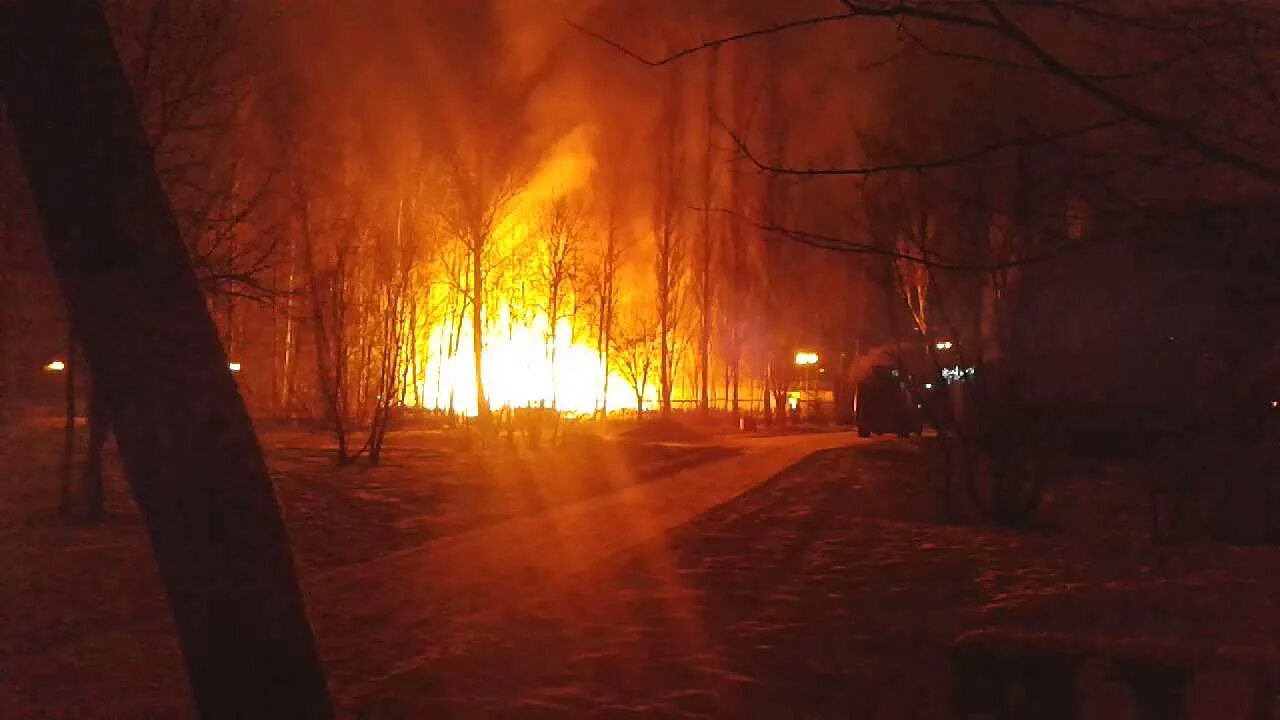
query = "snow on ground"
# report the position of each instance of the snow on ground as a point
(445, 534)
(823, 594)
(707, 590)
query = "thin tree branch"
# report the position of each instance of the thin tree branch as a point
(934, 164)
(1002, 26)
(725, 40)
(930, 260)
(1138, 113)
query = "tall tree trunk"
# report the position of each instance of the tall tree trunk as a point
(664, 370)
(725, 388)
(273, 398)
(477, 328)
(193, 461)
(99, 429)
(776, 263)
(606, 339)
(553, 304)
(737, 383)
(602, 356)
(604, 391)
(608, 297)
(766, 391)
(708, 247)
(290, 369)
(329, 374)
(365, 338)
(733, 310)
(69, 424)
(392, 346)
(670, 256)
(733, 305)
(414, 364)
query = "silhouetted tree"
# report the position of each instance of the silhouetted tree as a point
(189, 449)
(558, 268)
(489, 153)
(611, 253)
(635, 352)
(706, 249)
(670, 252)
(190, 82)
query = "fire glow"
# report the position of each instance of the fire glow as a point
(525, 364)
(517, 369)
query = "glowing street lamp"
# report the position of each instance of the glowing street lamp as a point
(806, 358)
(55, 366)
(942, 345)
(234, 367)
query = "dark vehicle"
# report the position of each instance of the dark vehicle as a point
(885, 405)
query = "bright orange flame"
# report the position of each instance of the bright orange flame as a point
(517, 370)
(56, 366)
(517, 360)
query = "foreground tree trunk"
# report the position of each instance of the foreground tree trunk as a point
(193, 461)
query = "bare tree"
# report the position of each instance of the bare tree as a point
(612, 251)
(1226, 49)
(193, 461)
(741, 240)
(559, 268)
(669, 257)
(397, 264)
(634, 354)
(327, 272)
(488, 153)
(777, 270)
(734, 293)
(284, 373)
(478, 209)
(190, 82)
(703, 279)
(902, 217)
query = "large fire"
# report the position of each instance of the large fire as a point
(517, 369)
(519, 347)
